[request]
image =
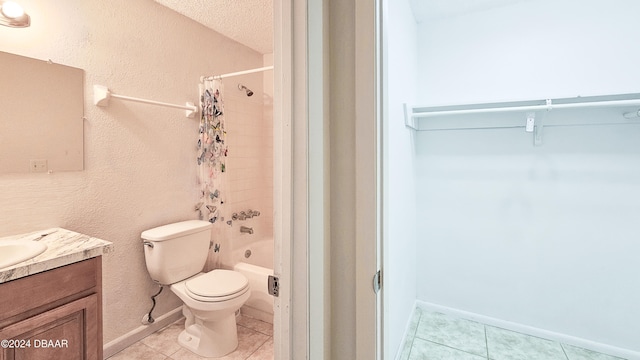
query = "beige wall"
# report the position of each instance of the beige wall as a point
(353, 179)
(139, 169)
(343, 186)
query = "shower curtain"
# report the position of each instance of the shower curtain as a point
(211, 158)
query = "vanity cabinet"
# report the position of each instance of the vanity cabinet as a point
(56, 314)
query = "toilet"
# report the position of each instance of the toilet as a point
(175, 255)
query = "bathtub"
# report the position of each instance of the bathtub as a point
(260, 253)
(257, 267)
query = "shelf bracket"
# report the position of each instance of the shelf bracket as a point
(537, 133)
(531, 122)
(408, 118)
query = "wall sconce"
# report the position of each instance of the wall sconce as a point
(12, 15)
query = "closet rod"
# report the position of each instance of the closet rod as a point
(101, 96)
(418, 112)
(522, 126)
(203, 78)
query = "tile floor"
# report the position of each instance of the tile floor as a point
(255, 342)
(435, 336)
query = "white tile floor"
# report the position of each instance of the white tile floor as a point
(431, 336)
(255, 342)
(435, 336)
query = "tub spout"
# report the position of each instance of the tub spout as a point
(246, 229)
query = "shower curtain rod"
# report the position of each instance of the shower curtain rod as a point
(213, 77)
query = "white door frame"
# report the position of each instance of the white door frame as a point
(300, 322)
(283, 182)
(282, 178)
(302, 326)
(292, 331)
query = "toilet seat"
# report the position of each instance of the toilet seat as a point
(217, 285)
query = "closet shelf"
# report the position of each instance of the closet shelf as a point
(414, 116)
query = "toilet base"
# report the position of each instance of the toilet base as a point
(210, 338)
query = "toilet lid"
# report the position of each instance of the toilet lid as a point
(217, 283)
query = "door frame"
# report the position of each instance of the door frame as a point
(283, 178)
(368, 136)
(292, 330)
(302, 325)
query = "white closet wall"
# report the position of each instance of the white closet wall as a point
(540, 236)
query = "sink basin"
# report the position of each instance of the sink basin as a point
(15, 251)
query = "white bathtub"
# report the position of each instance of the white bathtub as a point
(257, 268)
(261, 254)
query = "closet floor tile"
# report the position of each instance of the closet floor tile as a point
(453, 332)
(509, 345)
(576, 353)
(433, 336)
(427, 350)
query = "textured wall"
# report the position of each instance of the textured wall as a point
(139, 168)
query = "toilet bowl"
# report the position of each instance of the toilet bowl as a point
(209, 309)
(175, 255)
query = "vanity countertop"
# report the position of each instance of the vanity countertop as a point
(64, 247)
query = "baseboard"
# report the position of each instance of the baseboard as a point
(257, 314)
(115, 346)
(524, 329)
(406, 334)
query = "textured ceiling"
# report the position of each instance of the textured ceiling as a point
(433, 9)
(249, 22)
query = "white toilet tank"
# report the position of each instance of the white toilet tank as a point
(176, 251)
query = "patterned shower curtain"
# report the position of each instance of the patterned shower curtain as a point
(212, 153)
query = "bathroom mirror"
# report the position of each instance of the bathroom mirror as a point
(41, 116)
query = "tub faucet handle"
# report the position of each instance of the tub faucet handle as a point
(240, 216)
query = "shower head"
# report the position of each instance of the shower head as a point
(246, 89)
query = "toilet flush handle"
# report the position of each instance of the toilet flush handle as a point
(148, 243)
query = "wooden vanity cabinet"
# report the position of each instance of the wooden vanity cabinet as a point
(56, 314)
